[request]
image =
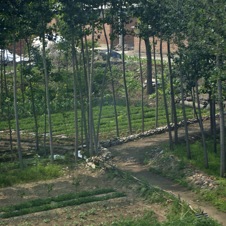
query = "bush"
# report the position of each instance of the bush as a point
(32, 173)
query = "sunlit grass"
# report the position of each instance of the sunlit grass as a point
(11, 174)
(63, 123)
(197, 154)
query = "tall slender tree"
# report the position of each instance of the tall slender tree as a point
(209, 33)
(165, 100)
(11, 23)
(110, 20)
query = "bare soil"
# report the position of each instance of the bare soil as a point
(80, 179)
(127, 157)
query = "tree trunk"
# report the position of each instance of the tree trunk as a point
(84, 109)
(35, 116)
(149, 66)
(222, 132)
(2, 64)
(222, 126)
(92, 138)
(164, 97)
(125, 85)
(108, 65)
(213, 121)
(47, 98)
(206, 161)
(101, 104)
(184, 115)
(22, 85)
(156, 85)
(194, 103)
(114, 102)
(142, 85)
(91, 147)
(33, 101)
(83, 124)
(16, 106)
(8, 112)
(103, 85)
(75, 98)
(173, 105)
(112, 81)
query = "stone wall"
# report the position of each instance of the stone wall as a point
(159, 130)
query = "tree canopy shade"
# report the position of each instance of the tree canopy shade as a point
(206, 32)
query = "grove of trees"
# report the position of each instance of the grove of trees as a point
(66, 77)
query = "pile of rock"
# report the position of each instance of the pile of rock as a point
(202, 181)
(100, 160)
(172, 167)
(159, 130)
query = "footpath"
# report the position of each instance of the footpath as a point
(130, 157)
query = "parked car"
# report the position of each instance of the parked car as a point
(104, 54)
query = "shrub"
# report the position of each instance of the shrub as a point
(28, 174)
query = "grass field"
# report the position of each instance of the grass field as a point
(63, 123)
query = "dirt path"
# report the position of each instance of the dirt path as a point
(129, 157)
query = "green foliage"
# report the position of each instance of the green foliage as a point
(215, 196)
(197, 156)
(60, 201)
(63, 122)
(190, 220)
(178, 214)
(60, 198)
(11, 174)
(149, 218)
(154, 195)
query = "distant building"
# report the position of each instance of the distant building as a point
(131, 40)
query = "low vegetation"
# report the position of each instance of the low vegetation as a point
(63, 123)
(11, 174)
(56, 94)
(60, 201)
(177, 212)
(180, 168)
